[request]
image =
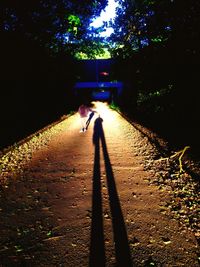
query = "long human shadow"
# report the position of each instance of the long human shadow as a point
(122, 250)
(97, 246)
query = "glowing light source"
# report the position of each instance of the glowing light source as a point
(103, 109)
(108, 14)
(104, 73)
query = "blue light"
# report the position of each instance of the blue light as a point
(168, 28)
(144, 42)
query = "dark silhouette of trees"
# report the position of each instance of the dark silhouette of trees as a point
(38, 41)
(57, 25)
(157, 49)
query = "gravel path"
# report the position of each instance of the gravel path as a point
(87, 199)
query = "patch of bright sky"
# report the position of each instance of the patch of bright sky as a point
(106, 15)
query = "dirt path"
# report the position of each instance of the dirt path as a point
(85, 199)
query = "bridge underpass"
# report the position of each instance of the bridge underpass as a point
(108, 91)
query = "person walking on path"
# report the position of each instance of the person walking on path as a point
(85, 111)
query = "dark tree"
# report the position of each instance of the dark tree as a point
(38, 41)
(157, 45)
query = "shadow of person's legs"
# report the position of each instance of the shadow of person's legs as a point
(97, 249)
(97, 246)
(122, 250)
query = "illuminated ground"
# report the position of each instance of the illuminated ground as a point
(85, 199)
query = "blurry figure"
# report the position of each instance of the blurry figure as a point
(84, 111)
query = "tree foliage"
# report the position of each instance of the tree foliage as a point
(157, 47)
(147, 22)
(55, 24)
